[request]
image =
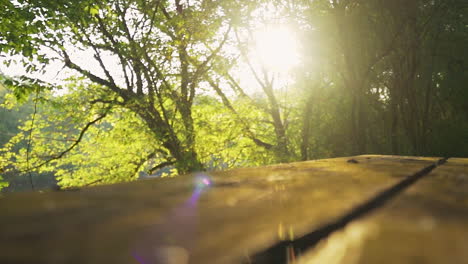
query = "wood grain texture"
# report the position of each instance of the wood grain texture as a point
(427, 224)
(243, 211)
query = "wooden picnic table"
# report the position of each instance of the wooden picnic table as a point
(362, 209)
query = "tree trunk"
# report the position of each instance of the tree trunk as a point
(358, 124)
(281, 148)
(188, 162)
(183, 152)
(306, 129)
(394, 126)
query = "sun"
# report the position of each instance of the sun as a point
(273, 53)
(275, 47)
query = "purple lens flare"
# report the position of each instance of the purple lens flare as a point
(178, 230)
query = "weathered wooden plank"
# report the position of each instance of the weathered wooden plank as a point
(241, 212)
(427, 224)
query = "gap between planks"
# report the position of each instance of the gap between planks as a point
(285, 252)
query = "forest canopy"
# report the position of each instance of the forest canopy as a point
(96, 92)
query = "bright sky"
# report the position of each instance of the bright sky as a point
(271, 46)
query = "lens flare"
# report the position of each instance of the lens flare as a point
(202, 181)
(179, 227)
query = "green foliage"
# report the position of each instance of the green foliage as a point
(221, 142)
(3, 184)
(112, 150)
(120, 147)
(388, 62)
(376, 77)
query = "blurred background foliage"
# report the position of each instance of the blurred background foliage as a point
(160, 88)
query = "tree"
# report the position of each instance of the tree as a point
(375, 77)
(275, 114)
(384, 64)
(160, 52)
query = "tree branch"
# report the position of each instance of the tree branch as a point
(245, 125)
(161, 165)
(114, 49)
(202, 68)
(80, 137)
(246, 58)
(93, 77)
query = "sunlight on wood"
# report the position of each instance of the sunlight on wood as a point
(342, 247)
